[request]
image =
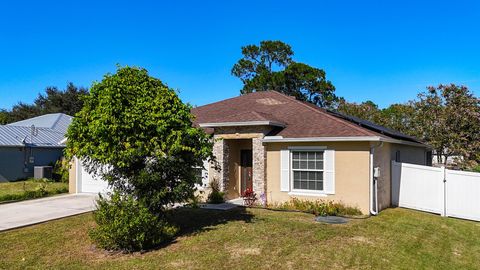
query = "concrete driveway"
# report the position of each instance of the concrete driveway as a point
(14, 215)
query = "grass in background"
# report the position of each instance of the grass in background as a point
(30, 189)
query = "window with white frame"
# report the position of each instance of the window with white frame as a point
(199, 175)
(307, 170)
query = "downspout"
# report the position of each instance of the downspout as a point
(373, 182)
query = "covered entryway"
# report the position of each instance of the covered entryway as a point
(240, 167)
(246, 177)
(230, 139)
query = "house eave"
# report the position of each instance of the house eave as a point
(280, 139)
(390, 140)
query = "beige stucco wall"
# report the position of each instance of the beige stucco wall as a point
(383, 157)
(351, 173)
(72, 178)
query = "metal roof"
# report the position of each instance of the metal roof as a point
(56, 121)
(47, 131)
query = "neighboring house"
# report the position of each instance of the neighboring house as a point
(439, 160)
(37, 141)
(284, 148)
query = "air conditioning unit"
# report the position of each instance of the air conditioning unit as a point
(40, 172)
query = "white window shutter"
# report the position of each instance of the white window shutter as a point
(329, 171)
(285, 170)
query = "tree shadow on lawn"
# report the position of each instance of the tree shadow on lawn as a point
(190, 221)
(195, 220)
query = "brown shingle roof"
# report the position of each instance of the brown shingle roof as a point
(301, 119)
(250, 116)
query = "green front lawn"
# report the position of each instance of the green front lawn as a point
(30, 189)
(259, 239)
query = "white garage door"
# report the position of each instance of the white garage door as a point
(86, 183)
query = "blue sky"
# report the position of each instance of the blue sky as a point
(384, 51)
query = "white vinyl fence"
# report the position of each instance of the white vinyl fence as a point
(437, 190)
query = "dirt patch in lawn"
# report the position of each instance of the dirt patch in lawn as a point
(238, 251)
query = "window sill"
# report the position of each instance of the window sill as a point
(306, 193)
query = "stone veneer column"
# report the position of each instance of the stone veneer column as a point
(221, 153)
(259, 156)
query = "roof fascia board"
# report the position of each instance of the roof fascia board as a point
(274, 139)
(391, 140)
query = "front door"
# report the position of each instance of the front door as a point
(246, 170)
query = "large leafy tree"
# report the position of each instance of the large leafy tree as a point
(448, 118)
(22, 111)
(367, 110)
(396, 116)
(399, 117)
(4, 117)
(136, 133)
(270, 66)
(68, 101)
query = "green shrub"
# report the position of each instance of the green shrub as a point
(39, 191)
(195, 201)
(60, 171)
(319, 207)
(125, 224)
(215, 196)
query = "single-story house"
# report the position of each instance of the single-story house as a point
(284, 148)
(37, 141)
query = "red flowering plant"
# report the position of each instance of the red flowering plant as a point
(249, 197)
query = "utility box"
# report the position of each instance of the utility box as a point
(40, 172)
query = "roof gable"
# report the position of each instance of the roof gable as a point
(49, 131)
(56, 121)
